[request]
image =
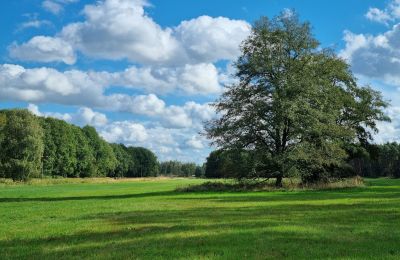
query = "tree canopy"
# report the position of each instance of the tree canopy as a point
(295, 106)
(32, 146)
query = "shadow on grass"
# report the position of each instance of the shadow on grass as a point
(291, 227)
(301, 232)
(102, 197)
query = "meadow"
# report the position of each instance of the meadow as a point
(149, 219)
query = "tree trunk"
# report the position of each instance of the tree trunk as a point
(278, 182)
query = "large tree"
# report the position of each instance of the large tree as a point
(21, 147)
(295, 106)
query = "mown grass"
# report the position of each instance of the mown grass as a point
(150, 220)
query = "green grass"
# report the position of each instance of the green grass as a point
(149, 220)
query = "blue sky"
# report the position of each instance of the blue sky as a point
(143, 72)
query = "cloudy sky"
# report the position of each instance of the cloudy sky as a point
(143, 72)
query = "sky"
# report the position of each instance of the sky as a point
(144, 72)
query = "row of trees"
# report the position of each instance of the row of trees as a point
(176, 168)
(32, 146)
(372, 160)
(378, 161)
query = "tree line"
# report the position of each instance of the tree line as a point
(34, 147)
(372, 160)
(176, 168)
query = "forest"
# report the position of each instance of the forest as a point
(371, 161)
(35, 147)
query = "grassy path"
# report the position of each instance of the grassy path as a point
(148, 220)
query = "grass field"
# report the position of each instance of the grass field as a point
(149, 220)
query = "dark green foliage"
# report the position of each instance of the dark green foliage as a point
(237, 164)
(125, 162)
(21, 145)
(67, 152)
(214, 164)
(145, 162)
(377, 161)
(296, 107)
(103, 152)
(200, 171)
(35, 146)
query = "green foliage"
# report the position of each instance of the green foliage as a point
(296, 107)
(200, 171)
(67, 151)
(125, 163)
(377, 160)
(21, 145)
(236, 163)
(145, 162)
(35, 146)
(103, 153)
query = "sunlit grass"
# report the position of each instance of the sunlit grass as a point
(149, 219)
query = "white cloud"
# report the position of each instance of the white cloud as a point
(194, 143)
(34, 109)
(16, 80)
(87, 89)
(200, 78)
(149, 105)
(208, 39)
(35, 23)
(121, 29)
(389, 131)
(377, 15)
(125, 132)
(56, 6)
(44, 49)
(376, 57)
(52, 6)
(389, 14)
(86, 116)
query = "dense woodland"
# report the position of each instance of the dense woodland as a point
(373, 160)
(33, 146)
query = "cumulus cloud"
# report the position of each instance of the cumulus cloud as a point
(33, 24)
(377, 56)
(195, 143)
(389, 131)
(34, 109)
(377, 15)
(125, 132)
(389, 14)
(17, 82)
(200, 78)
(87, 89)
(44, 49)
(84, 116)
(208, 39)
(56, 6)
(121, 29)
